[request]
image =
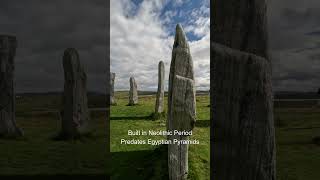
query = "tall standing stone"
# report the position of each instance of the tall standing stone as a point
(112, 98)
(181, 105)
(241, 25)
(243, 141)
(133, 93)
(8, 126)
(160, 93)
(75, 114)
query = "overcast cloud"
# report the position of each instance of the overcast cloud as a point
(294, 31)
(142, 34)
(44, 29)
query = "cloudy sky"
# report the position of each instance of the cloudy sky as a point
(142, 34)
(294, 31)
(44, 29)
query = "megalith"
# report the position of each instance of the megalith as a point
(181, 105)
(112, 98)
(242, 122)
(159, 108)
(75, 113)
(8, 126)
(133, 93)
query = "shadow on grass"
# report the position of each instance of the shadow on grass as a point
(55, 177)
(202, 123)
(131, 118)
(79, 137)
(301, 128)
(132, 105)
(145, 164)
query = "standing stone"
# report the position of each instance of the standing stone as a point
(133, 93)
(181, 105)
(241, 25)
(8, 126)
(75, 114)
(112, 98)
(241, 95)
(160, 93)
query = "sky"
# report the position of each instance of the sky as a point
(44, 29)
(142, 34)
(294, 33)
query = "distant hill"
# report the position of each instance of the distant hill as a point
(143, 93)
(277, 94)
(296, 95)
(90, 93)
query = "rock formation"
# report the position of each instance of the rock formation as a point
(112, 78)
(241, 93)
(75, 113)
(8, 125)
(181, 104)
(160, 93)
(133, 93)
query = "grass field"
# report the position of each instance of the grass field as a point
(150, 162)
(298, 158)
(37, 154)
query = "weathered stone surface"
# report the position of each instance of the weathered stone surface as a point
(242, 111)
(160, 93)
(75, 114)
(133, 93)
(243, 142)
(241, 25)
(181, 104)
(8, 126)
(112, 98)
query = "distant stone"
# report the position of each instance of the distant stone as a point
(133, 93)
(75, 113)
(159, 108)
(181, 105)
(112, 98)
(8, 126)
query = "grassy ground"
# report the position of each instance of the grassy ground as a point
(36, 153)
(298, 158)
(150, 162)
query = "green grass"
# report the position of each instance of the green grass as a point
(150, 162)
(37, 154)
(297, 156)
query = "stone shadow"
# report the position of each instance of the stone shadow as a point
(131, 118)
(143, 164)
(203, 123)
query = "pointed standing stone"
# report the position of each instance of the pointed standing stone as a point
(8, 127)
(243, 138)
(112, 98)
(160, 93)
(75, 115)
(181, 105)
(133, 93)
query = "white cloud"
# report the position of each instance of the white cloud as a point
(139, 40)
(199, 23)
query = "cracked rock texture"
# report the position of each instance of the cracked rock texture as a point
(8, 126)
(75, 113)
